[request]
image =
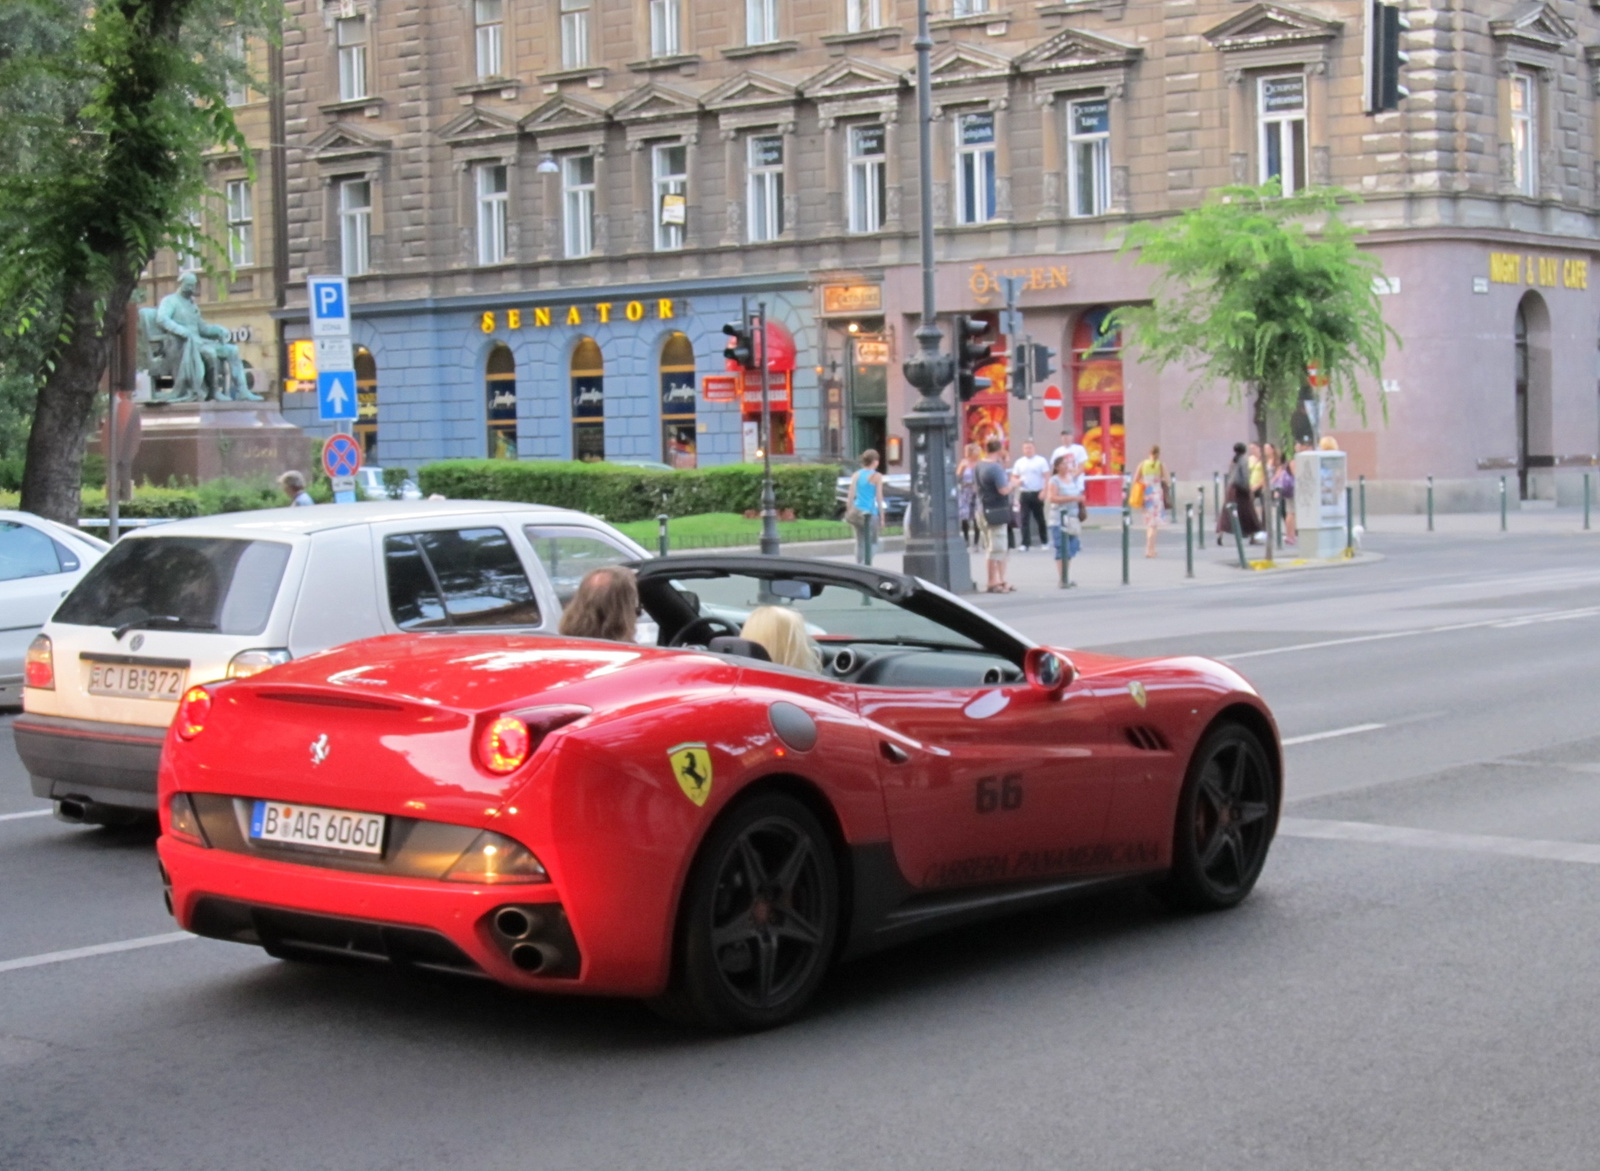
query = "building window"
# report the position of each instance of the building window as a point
(765, 194)
(500, 393)
(241, 223)
(239, 60)
(969, 7)
(678, 402)
(861, 15)
(868, 183)
(1281, 102)
(670, 164)
(1089, 156)
(489, 30)
(760, 21)
(975, 168)
(577, 204)
(355, 226)
(665, 21)
(574, 34)
(189, 245)
(492, 199)
(588, 401)
(351, 34)
(1524, 136)
(366, 426)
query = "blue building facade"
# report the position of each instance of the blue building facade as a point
(585, 373)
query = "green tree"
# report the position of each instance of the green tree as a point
(107, 113)
(1255, 288)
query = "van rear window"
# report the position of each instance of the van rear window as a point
(181, 583)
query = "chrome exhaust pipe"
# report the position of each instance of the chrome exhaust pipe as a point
(72, 811)
(529, 957)
(513, 922)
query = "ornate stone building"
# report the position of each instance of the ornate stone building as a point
(549, 208)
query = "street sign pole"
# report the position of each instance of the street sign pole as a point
(336, 370)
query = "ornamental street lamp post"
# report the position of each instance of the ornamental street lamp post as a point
(934, 548)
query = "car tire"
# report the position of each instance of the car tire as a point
(1227, 814)
(760, 919)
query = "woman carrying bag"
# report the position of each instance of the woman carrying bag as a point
(1150, 493)
(1063, 497)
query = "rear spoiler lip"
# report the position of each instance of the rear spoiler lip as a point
(336, 695)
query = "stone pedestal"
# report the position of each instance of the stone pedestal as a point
(204, 441)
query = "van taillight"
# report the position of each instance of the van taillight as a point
(40, 669)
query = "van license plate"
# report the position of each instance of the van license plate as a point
(131, 681)
(318, 828)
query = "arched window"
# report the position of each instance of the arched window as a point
(366, 430)
(1097, 401)
(677, 401)
(1535, 418)
(588, 401)
(500, 391)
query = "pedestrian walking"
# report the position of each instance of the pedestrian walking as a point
(1031, 471)
(967, 493)
(1150, 485)
(995, 486)
(1283, 486)
(865, 505)
(1239, 496)
(1063, 494)
(294, 487)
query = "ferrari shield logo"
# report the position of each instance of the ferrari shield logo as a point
(1136, 689)
(691, 764)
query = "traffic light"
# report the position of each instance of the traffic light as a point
(741, 345)
(1017, 377)
(1044, 362)
(1386, 25)
(971, 355)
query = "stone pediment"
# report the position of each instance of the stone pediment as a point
(958, 64)
(343, 141)
(1071, 51)
(1265, 26)
(562, 113)
(654, 102)
(851, 78)
(476, 125)
(750, 90)
(1536, 25)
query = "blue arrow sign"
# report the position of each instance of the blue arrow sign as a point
(336, 394)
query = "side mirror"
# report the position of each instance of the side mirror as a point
(1047, 671)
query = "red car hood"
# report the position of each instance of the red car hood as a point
(400, 716)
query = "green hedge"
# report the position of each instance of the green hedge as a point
(620, 493)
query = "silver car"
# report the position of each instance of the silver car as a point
(40, 562)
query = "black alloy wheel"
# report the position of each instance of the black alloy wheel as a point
(761, 918)
(1227, 814)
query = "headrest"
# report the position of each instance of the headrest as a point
(727, 644)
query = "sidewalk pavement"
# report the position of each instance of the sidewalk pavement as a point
(1487, 524)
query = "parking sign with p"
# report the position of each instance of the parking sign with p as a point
(330, 306)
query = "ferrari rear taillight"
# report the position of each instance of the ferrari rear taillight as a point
(183, 822)
(506, 742)
(193, 709)
(40, 671)
(494, 858)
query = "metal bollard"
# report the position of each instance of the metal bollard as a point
(1430, 504)
(1127, 529)
(1238, 536)
(1277, 521)
(1502, 504)
(1188, 535)
(661, 534)
(1349, 522)
(1585, 501)
(1216, 493)
(1063, 560)
(1362, 480)
(1200, 514)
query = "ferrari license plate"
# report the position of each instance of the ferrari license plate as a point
(317, 828)
(131, 681)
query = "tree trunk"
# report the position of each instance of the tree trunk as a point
(1269, 513)
(52, 478)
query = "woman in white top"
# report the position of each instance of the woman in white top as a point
(1063, 492)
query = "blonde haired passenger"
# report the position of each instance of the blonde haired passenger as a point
(782, 632)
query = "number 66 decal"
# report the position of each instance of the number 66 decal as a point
(999, 793)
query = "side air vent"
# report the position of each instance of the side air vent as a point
(1146, 739)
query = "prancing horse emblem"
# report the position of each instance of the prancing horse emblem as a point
(319, 749)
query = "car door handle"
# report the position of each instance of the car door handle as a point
(893, 753)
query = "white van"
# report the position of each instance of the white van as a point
(229, 596)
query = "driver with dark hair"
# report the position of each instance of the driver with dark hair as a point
(605, 606)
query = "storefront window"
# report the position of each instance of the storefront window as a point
(366, 404)
(588, 401)
(500, 378)
(1097, 401)
(678, 401)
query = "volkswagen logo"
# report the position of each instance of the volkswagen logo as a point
(319, 749)
(138, 641)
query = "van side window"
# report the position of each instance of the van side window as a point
(26, 552)
(569, 553)
(457, 577)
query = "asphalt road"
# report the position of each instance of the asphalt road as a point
(1412, 984)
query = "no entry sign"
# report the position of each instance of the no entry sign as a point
(1052, 402)
(341, 456)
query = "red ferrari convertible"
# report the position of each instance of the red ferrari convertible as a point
(689, 822)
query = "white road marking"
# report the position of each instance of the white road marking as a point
(1430, 839)
(1483, 624)
(98, 949)
(1350, 731)
(30, 813)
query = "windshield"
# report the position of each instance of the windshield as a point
(181, 583)
(835, 610)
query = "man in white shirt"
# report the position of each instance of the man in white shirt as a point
(1078, 460)
(1031, 472)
